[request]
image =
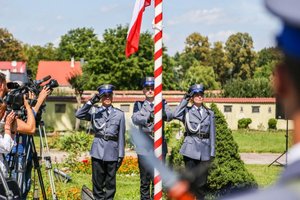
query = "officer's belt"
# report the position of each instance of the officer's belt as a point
(107, 137)
(199, 135)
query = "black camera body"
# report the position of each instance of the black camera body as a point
(14, 99)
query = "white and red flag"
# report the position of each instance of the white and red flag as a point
(133, 36)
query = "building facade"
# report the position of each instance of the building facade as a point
(60, 110)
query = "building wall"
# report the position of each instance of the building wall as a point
(66, 121)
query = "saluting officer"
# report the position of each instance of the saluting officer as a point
(143, 117)
(198, 147)
(107, 150)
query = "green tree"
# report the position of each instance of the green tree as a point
(219, 62)
(108, 63)
(196, 52)
(10, 48)
(77, 84)
(258, 87)
(200, 74)
(77, 43)
(34, 54)
(199, 47)
(239, 48)
(269, 55)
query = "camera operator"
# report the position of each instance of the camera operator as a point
(25, 161)
(27, 127)
(6, 139)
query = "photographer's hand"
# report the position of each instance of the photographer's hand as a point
(45, 92)
(9, 120)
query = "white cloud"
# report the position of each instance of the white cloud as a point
(221, 35)
(211, 16)
(108, 8)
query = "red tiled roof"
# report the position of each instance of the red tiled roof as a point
(13, 66)
(59, 70)
(131, 99)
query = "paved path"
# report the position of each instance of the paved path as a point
(248, 158)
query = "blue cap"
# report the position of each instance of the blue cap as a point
(289, 13)
(106, 88)
(148, 81)
(197, 88)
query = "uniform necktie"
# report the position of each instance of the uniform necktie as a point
(200, 112)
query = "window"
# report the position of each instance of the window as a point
(270, 110)
(227, 108)
(255, 109)
(242, 109)
(125, 107)
(60, 108)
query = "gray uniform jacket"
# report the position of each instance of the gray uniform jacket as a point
(287, 188)
(112, 125)
(140, 117)
(194, 146)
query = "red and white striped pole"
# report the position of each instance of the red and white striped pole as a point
(158, 69)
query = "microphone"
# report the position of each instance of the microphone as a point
(37, 82)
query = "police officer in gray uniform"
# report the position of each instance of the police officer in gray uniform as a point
(107, 150)
(198, 147)
(143, 117)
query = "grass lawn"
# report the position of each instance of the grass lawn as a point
(260, 141)
(263, 174)
(128, 186)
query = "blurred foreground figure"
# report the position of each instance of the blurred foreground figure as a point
(287, 89)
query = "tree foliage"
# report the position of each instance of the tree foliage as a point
(10, 48)
(219, 62)
(77, 43)
(108, 63)
(200, 74)
(36, 53)
(239, 48)
(258, 87)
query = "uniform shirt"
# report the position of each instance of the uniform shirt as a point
(6, 144)
(111, 123)
(293, 154)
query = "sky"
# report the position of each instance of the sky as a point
(38, 22)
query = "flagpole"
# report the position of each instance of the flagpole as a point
(158, 69)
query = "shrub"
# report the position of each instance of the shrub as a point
(175, 159)
(171, 129)
(272, 124)
(244, 123)
(228, 172)
(78, 141)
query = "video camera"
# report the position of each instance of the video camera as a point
(14, 98)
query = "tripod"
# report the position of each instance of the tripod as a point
(45, 148)
(286, 147)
